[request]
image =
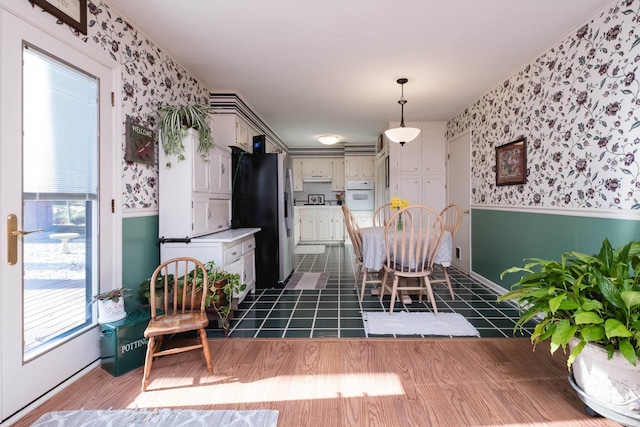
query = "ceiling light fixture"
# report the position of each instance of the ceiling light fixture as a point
(328, 139)
(402, 134)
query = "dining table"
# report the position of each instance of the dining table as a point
(374, 252)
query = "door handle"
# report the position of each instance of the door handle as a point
(24, 233)
(466, 211)
(12, 238)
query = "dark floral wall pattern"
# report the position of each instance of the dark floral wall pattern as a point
(150, 78)
(579, 107)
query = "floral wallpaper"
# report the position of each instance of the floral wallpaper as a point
(578, 105)
(150, 79)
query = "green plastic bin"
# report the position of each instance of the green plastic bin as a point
(122, 343)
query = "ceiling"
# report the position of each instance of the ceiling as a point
(330, 66)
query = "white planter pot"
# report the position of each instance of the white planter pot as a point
(614, 383)
(109, 311)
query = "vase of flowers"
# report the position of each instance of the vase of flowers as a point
(396, 204)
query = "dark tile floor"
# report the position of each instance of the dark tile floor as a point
(337, 312)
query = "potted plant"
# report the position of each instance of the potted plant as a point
(221, 286)
(145, 289)
(175, 121)
(592, 304)
(110, 305)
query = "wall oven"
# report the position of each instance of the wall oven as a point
(359, 195)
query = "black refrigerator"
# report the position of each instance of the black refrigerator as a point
(262, 196)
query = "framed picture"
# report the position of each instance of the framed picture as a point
(379, 145)
(511, 163)
(71, 12)
(140, 147)
(386, 172)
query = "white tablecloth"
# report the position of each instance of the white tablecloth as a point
(374, 252)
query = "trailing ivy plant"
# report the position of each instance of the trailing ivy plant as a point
(595, 298)
(217, 280)
(175, 121)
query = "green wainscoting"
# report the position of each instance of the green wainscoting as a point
(502, 239)
(140, 251)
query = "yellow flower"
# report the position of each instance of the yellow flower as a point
(398, 203)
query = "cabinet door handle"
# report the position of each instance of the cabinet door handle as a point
(222, 169)
(234, 253)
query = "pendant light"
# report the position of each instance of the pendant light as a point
(402, 134)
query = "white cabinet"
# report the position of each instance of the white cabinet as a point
(307, 225)
(313, 166)
(364, 218)
(298, 185)
(357, 167)
(271, 147)
(231, 130)
(337, 176)
(325, 224)
(219, 172)
(338, 225)
(195, 193)
(418, 169)
(425, 154)
(296, 226)
(232, 250)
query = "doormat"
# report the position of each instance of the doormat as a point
(158, 417)
(405, 323)
(307, 281)
(309, 249)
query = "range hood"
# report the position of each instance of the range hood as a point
(316, 178)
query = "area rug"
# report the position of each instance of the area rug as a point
(308, 281)
(405, 323)
(309, 249)
(158, 417)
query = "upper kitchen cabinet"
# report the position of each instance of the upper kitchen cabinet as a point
(337, 177)
(418, 169)
(195, 193)
(219, 171)
(425, 154)
(317, 167)
(359, 167)
(307, 169)
(298, 185)
(231, 130)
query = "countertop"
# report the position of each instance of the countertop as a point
(326, 205)
(226, 236)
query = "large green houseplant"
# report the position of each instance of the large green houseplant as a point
(221, 286)
(594, 298)
(174, 124)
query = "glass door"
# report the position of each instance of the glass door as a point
(56, 194)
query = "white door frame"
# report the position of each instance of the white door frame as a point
(459, 191)
(25, 384)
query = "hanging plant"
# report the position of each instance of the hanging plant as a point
(175, 123)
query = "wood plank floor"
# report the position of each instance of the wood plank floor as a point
(352, 382)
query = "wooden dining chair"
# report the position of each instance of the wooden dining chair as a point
(355, 234)
(452, 217)
(410, 250)
(184, 310)
(381, 215)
